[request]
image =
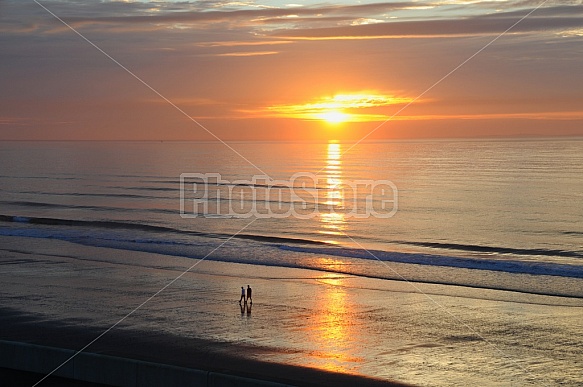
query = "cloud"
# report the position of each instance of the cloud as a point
(109, 16)
(243, 43)
(558, 18)
(13, 121)
(315, 22)
(224, 61)
(538, 116)
(250, 53)
(348, 107)
(194, 16)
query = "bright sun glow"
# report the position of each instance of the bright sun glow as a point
(354, 107)
(334, 116)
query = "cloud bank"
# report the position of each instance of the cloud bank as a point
(225, 63)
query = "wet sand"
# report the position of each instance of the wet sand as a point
(304, 325)
(168, 349)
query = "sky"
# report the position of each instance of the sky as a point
(290, 70)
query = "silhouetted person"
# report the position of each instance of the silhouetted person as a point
(249, 294)
(242, 295)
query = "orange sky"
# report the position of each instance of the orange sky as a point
(280, 71)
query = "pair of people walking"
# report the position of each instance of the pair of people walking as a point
(247, 297)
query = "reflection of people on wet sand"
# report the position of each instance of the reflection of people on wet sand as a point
(245, 308)
(249, 294)
(242, 295)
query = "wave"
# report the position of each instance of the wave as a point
(40, 177)
(265, 256)
(309, 207)
(495, 249)
(84, 207)
(165, 189)
(199, 181)
(105, 195)
(508, 266)
(105, 224)
(297, 253)
(572, 232)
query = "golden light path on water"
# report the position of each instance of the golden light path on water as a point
(332, 219)
(332, 330)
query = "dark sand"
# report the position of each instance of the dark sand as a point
(158, 348)
(15, 378)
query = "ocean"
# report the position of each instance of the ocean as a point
(499, 214)
(435, 263)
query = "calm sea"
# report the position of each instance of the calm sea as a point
(499, 214)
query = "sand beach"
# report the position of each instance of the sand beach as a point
(61, 294)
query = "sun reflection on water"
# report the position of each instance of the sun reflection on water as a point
(332, 219)
(332, 330)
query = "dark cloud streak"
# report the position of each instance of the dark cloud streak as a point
(248, 14)
(554, 19)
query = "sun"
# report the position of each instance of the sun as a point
(366, 106)
(333, 116)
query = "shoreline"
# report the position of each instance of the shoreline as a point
(64, 295)
(513, 275)
(53, 342)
